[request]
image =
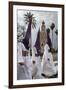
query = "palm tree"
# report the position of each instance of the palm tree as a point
(52, 28)
(30, 20)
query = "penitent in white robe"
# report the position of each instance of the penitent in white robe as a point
(47, 65)
(36, 67)
(23, 71)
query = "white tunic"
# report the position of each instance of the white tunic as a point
(23, 71)
(20, 47)
(48, 67)
(36, 68)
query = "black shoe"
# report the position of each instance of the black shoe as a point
(43, 75)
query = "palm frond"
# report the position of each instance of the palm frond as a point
(30, 17)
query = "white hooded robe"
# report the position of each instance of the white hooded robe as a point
(23, 71)
(47, 65)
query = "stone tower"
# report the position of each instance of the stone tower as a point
(43, 36)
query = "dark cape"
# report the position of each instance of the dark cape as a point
(49, 40)
(27, 37)
(37, 43)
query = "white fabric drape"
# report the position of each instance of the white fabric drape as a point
(47, 65)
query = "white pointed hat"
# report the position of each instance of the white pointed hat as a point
(46, 47)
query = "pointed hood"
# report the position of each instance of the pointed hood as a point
(27, 37)
(37, 43)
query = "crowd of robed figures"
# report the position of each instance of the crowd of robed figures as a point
(34, 67)
(29, 67)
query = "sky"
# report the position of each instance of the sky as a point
(47, 16)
